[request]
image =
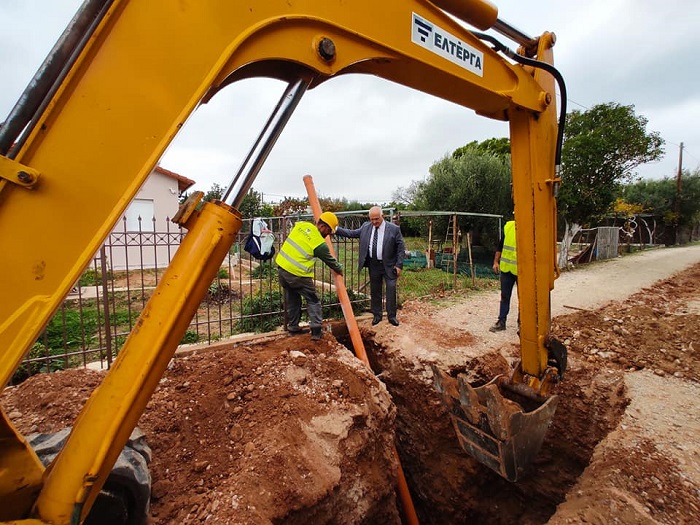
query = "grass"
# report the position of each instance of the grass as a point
(423, 282)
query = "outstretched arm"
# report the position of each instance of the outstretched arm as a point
(324, 254)
(350, 234)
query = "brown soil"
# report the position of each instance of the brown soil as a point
(282, 430)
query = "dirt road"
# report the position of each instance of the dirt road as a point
(616, 279)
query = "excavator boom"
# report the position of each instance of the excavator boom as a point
(114, 94)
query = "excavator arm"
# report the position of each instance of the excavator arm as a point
(128, 82)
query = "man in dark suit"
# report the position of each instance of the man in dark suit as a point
(382, 250)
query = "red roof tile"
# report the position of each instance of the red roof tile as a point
(182, 182)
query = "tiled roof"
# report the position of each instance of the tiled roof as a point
(182, 182)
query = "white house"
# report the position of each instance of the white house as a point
(145, 237)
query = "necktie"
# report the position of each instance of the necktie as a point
(374, 242)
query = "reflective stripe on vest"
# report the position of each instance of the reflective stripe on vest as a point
(297, 253)
(509, 257)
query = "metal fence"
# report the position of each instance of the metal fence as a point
(98, 314)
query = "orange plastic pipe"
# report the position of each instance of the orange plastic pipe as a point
(359, 346)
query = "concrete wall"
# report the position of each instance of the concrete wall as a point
(157, 240)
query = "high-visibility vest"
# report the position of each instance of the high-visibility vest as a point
(509, 257)
(297, 253)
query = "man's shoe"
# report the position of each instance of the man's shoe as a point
(377, 319)
(498, 327)
(297, 331)
(316, 333)
(394, 321)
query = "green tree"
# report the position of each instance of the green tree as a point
(267, 210)
(332, 204)
(291, 206)
(688, 208)
(497, 146)
(407, 197)
(477, 181)
(355, 205)
(214, 193)
(655, 196)
(602, 148)
(251, 206)
(658, 198)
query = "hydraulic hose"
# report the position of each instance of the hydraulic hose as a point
(46, 80)
(500, 47)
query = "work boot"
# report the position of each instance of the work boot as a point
(316, 333)
(498, 327)
(297, 330)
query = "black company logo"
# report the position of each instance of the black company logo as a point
(438, 40)
(424, 30)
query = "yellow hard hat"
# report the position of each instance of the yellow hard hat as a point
(330, 219)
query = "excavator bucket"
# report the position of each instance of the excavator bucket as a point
(495, 424)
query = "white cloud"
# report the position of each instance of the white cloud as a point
(362, 138)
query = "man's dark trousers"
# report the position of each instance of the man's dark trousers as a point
(378, 276)
(295, 288)
(508, 281)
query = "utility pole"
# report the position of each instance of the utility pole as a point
(678, 193)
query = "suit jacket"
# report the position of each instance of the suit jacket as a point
(393, 247)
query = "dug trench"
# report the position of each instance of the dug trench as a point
(280, 429)
(450, 486)
(622, 446)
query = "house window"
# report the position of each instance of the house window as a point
(143, 208)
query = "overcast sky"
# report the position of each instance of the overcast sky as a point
(361, 137)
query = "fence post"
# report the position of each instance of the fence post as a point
(105, 299)
(454, 252)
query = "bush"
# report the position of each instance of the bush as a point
(93, 277)
(262, 312)
(90, 277)
(45, 362)
(333, 310)
(190, 337)
(68, 328)
(219, 293)
(265, 270)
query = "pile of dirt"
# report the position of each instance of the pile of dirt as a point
(286, 430)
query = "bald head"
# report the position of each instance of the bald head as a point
(375, 216)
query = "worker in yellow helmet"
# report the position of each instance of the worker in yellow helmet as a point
(505, 262)
(295, 262)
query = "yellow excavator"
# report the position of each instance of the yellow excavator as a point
(113, 93)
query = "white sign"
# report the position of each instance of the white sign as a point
(435, 39)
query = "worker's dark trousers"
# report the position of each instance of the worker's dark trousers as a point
(508, 281)
(377, 277)
(295, 288)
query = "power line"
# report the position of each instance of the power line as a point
(576, 103)
(685, 149)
